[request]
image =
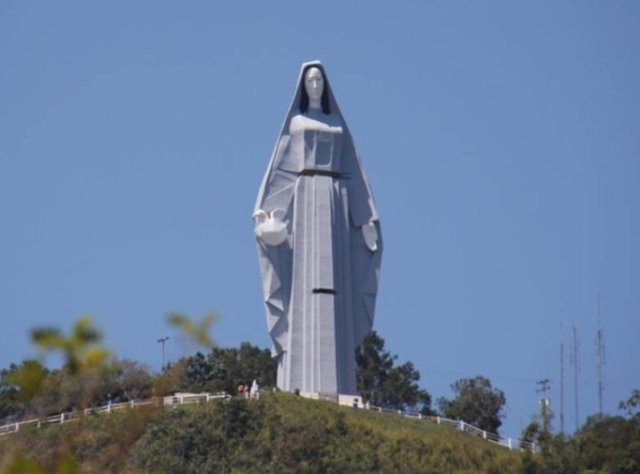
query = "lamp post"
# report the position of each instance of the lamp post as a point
(161, 341)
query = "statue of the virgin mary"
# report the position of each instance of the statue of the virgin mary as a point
(319, 244)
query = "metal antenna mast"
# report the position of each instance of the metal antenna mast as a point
(575, 361)
(561, 379)
(600, 359)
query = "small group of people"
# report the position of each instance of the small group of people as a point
(249, 391)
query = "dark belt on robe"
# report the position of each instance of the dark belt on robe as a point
(325, 291)
(314, 172)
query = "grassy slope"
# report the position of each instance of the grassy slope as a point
(279, 433)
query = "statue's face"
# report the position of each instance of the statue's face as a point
(314, 83)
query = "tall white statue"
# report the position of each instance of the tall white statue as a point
(319, 244)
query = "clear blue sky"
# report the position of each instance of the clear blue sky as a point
(501, 138)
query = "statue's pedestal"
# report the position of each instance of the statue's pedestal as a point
(354, 401)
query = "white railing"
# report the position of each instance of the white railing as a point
(191, 398)
(510, 443)
(60, 418)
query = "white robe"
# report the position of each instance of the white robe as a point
(319, 285)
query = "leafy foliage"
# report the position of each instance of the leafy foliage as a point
(95, 443)
(225, 368)
(122, 381)
(476, 402)
(632, 405)
(278, 432)
(383, 384)
(198, 331)
(610, 444)
(29, 389)
(282, 433)
(605, 444)
(19, 386)
(80, 348)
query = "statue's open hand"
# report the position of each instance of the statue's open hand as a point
(370, 234)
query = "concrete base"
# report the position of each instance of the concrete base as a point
(343, 399)
(354, 401)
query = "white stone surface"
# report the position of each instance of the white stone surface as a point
(320, 276)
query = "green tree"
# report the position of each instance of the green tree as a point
(123, 380)
(20, 387)
(9, 405)
(476, 403)
(225, 368)
(632, 404)
(383, 384)
(609, 444)
(531, 432)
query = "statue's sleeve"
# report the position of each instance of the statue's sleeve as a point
(361, 206)
(276, 192)
(365, 264)
(278, 183)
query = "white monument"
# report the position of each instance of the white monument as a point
(319, 244)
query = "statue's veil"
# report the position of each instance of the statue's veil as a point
(294, 109)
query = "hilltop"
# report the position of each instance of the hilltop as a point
(279, 433)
